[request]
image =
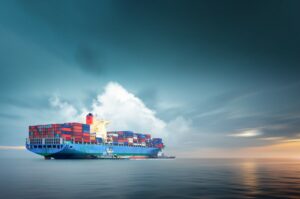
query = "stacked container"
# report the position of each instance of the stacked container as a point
(45, 131)
(81, 133)
(93, 138)
(157, 142)
(68, 131)
(133, 139)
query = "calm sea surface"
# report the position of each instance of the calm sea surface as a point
(180, 178)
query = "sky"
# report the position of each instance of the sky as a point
(213, 78)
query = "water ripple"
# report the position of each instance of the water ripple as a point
(179, 178)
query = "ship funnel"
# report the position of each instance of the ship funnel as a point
(89, 118)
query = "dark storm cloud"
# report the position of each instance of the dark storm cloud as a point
(10, 116)
(231, 63)
(275, 112)
(253, 38)
(90, 59)
(76, 31)
(27, 103)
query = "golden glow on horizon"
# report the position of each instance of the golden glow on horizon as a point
(282, 149)
(292, 140)
(12, 147)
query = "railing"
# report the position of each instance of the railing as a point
(44, 141)
(55, 141)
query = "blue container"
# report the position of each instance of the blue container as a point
(67, 132)
(99, 140)
(138, 135)
(128, 133)
(66, 125)
(86, 128)
(157, 139)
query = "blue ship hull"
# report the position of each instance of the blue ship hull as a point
(89, 151)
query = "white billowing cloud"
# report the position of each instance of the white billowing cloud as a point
(126, 111)
(66, 110)
(178, 130)
(247, 133)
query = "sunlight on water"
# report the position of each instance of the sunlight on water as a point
(249, 176)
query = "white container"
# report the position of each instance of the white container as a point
(130, 140)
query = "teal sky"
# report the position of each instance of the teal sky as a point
(228, 69)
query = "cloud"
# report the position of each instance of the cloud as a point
(125, 111)
(90, 59)
(247, 133)
(66, 110)
(179, 135)
(10, 116)
(272, 138)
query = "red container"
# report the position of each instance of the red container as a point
(76, 131)
(65, 136)
(78, 139)
(66, 129)
(74, 124)
(159, 145)
(77, 136)
(77, 126)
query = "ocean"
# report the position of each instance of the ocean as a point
(33, 177)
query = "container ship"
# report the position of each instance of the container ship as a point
(91, 141)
